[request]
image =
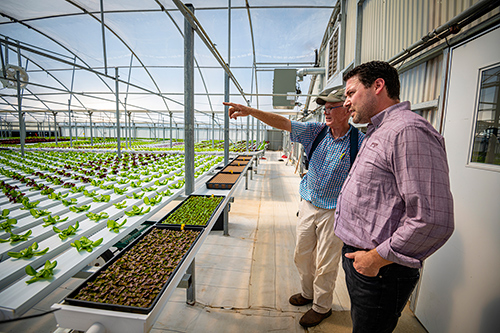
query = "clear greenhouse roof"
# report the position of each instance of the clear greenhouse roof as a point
(67, 58)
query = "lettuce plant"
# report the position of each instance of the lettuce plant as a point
(80, 209)
(137, 211)
(70, 231)
(97, 217)
(115, 226)
(28, 252)
(50, 220)
(46, 272)
(16, 238)
(86, 244)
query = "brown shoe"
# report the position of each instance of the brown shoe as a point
(313, 318)
(298, 300)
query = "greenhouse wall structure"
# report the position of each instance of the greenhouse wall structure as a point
(117, 71)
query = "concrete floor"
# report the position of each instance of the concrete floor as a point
(244, 280)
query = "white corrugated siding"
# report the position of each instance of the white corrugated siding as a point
(390, 26)
(350, 38)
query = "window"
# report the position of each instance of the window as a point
(486, 145)
(333, 54)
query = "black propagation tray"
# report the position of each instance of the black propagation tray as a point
(125, 308)
(222, 185)
(183, 202)
(243, 158)
(233, 169)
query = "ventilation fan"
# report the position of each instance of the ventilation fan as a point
(11, 80)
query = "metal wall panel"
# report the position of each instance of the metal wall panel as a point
(350, 38)
(423, 82)
(389, 26)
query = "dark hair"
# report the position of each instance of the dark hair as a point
(368, 72)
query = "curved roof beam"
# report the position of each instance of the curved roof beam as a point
(99, 75)
(125, 44)
(48, 73)
(196, 61)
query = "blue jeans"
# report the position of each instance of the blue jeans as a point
(377, 302)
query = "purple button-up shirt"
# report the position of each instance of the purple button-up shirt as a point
(397, 196)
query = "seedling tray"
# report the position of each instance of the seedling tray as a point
(239, 162)
(223, 181)
(145, 287)
(233, 169)
(189, 213)
(244, 158)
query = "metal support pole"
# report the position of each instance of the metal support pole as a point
(170, 114)
(189, 104)
(130, 128)
(103, 39)
(69, 117)
(213, 129)
(118, 142)
(22, 128)
(226, 119)
(225, 221)
(191, 290)
(55, 126)
(91, 132)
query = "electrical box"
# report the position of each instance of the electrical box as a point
(284, 82)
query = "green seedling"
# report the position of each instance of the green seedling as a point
(63, 234)
(57, 196)
(135, 196)
(50, 220)
(121, 205)
(7, 225)
(107, 187)
(120, 191)
(86, 244)
(47, 191)
(136, 184)
(79, 209)
(89, 194)
(46, 272)
(28, 252)
(166, 193)
(137, 211)
(77, 189)
(178, 185)
(153, 201)
(149, 189)
(123, 181)
(29, 205)
(102, 198)
(69, 202)
(161, 183)
(39, 213)
(96, 182)
(115, 226)
(97, 217)
(16, 238)
(5, 214)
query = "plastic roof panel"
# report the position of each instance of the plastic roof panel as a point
(28, 9)
(140, 33)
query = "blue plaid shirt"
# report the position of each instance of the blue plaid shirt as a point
(329, 165)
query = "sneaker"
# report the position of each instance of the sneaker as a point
(298, 300)
(312, 318)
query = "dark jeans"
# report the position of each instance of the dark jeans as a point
(377, 302)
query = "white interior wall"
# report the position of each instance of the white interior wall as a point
(460, 287)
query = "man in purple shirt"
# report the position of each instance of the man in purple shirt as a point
(395, 208)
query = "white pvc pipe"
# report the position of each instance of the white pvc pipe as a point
(96, 328)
